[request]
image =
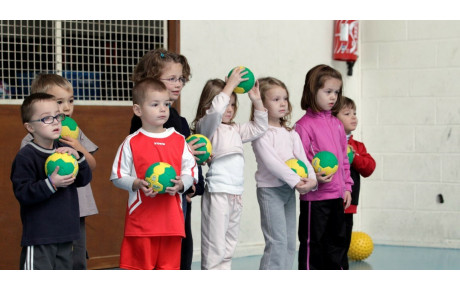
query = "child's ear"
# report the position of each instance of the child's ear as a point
(137, 110)
(29, 127)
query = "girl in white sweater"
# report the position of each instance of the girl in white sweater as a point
(221, 203)
(276, 182)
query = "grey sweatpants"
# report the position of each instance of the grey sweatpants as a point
(278, 220)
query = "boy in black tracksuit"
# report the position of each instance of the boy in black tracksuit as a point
(48, 204)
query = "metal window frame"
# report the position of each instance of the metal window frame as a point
(59, 54)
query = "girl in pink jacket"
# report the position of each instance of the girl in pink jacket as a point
(321, 221)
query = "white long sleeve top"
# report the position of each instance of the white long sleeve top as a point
(272, 150)
(226, 170)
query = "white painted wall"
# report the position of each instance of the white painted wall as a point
(410, 122)
(282, 49)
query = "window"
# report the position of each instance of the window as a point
(96, 56)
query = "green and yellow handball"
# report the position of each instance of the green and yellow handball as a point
(69, 128)
(247, 85)
(67, 164)
(298, 166)
(361, 246)
(325, 162)
(159, 176)
(350, 154)
(207, 147)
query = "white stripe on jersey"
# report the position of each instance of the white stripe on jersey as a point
(137, 201)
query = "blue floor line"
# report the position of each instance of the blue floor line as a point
(383, 257)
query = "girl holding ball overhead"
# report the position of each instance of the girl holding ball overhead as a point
(221, 204)
(321, 222)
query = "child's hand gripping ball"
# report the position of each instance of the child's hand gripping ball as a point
(67, 164)
(69, 128)
(325, 161)
(247, 85)
(350, 154)
(298, 166)
(207, 147)
(159, 176)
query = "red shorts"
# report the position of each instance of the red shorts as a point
(151, 253)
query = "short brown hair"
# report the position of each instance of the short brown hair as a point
(143, 86)
(44, 82)
(153, 62)
(346, 103)
(315, 80)
(29, 101)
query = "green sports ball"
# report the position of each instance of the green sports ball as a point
(207, 147)
(67, 164)
(325, 161)
(350, 154)
(298, 166)
(247, 85)
(69, 128)
(159, 176)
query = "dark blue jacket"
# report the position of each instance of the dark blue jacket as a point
(48, 216)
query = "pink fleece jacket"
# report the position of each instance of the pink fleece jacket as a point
(323, 132)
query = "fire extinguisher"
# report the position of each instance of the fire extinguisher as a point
(346, 42)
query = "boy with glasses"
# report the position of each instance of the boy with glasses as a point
(62, 89)
(48, 204)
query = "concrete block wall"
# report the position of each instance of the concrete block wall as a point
(410, 122)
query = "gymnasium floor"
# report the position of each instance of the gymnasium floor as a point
(382, 258)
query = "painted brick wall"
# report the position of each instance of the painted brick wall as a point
(410, 122)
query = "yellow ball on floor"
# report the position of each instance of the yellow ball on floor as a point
(361, 246)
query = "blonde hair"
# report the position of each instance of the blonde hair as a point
(315, 80)
(154, 61)
(266, 84)
(142, 87)
(44, 82)
(211, 89)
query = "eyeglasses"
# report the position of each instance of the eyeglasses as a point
(174, 80)
(50, 119)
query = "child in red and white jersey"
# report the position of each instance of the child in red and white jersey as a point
(154, 223)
